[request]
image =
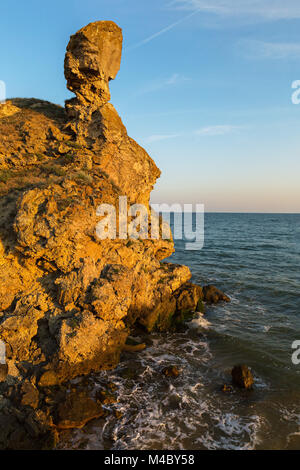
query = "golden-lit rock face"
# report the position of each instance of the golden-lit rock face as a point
(93, 58)
(68, 299)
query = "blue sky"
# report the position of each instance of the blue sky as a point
(204, 86)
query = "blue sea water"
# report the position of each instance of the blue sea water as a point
(255, 259)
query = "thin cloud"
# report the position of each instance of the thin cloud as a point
(176, 79)
(158, 84)
(160, 137)
(253, 49)
(159, 33)
(262, 9)
(209, 131)
(268, 10)
(216, 130)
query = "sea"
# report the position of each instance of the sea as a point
(255, 259)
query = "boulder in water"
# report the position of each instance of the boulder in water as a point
(242, 376)
(171, 371)
(227, 388)
(212, 295)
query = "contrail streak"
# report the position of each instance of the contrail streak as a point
(162, 31)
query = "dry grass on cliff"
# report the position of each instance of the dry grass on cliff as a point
(35, 148)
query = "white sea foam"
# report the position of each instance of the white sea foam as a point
(199, 322)
(266, 328)
(182, 413)
(231, 432)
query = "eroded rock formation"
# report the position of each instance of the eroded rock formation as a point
(67, 299)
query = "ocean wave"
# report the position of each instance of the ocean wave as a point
(199, 322)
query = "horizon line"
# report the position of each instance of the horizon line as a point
(237, 212)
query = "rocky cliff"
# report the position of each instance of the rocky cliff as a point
(68, 300)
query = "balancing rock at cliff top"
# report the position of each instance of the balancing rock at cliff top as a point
(93, 58)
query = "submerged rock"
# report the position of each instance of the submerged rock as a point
(118, 414)
(134, 347)
(242, 377)
(171, 371)
(129, 373)
(106, 397)
(212, 295)
(227, 388)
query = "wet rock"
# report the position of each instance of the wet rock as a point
(159, 310)
(4, 403)
(118, 414)
(112, 386)
(171, 371)
(129, 373)
(54, 395)
(212, 295)
(21, 430)
(106, 397)
(77, 410)
(187, 297)
(227, 388)
(37, 423)
(3, 372)
(10, 429)
(134, 347)
(30, 395)
(200, 306)
(242, 377)
(188, 301)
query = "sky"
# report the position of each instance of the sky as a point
(205, 86)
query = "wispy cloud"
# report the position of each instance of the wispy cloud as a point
(216, 130)
(158, 84)
(269, 10)
(263, 9)
(160, 137)
(160, 32)
(175, 79)
(209, 131)
(253, 49)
